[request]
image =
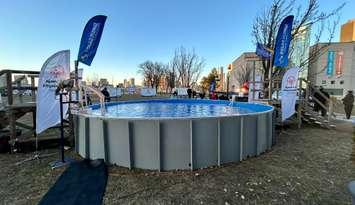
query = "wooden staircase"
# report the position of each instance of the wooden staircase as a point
(307, 101)
(311, 117)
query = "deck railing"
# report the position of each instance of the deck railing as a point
(306, 93)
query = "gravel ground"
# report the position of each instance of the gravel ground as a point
(307, 166)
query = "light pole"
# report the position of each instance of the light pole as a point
(228, 75)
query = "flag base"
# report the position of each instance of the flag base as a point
(36, 157)
(61, 163)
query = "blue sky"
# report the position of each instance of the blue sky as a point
(135, 31)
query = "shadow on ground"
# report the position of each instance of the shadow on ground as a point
(307, 166)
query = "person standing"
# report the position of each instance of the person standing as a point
(348, 102)
(189, 92)
(106, 94)
(194, 94)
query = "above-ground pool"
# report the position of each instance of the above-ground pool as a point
(174, 134)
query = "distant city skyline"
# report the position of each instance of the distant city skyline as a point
(135, 31)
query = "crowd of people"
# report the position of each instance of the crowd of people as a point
(320, 101)
(202, 95)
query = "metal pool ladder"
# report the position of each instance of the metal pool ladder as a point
(98, 93)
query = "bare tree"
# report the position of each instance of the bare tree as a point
(170, 78)
(266, 25)
(152, 72)
(187, 65)
(243, 75)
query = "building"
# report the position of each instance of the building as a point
(300, 50)
(131, 82)
(334, 69)
(242, 69)
(347, 32)
(125, 83)
(103, 82)
(221, 77)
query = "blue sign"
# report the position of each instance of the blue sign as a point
(282, 44)
(262, 51)
(330, 64)
(91, 38)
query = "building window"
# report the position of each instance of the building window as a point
(324, 82)
(341, 82)
(338, 92)
(332, 82)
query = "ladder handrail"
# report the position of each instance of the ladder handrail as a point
(328, 108)
(316, 89)
(98, 93)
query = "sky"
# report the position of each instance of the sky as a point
(135, 31)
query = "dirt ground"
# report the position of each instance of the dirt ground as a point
(307, 166)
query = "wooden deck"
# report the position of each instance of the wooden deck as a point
(13, 108)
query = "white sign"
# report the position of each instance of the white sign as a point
(289, 92)
(181, 91)
(147, 92)
(54, 70)
(114, 91)
(131, 90)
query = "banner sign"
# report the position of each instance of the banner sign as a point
(339, 63)
(262, 51)
(114, 91)
(54, 70)
(330, 64)
(289, 92)
(90, 39)
(282, 44)
(147, 92)
(131, 90)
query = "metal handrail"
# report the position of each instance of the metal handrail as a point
(19, 72)
(328, 108)
(98, 93)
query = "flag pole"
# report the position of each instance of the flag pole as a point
(270, 76)
(61, 127)
(76, 63)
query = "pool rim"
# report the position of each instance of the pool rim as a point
(84, 113)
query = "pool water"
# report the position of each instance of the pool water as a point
(177, 109)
